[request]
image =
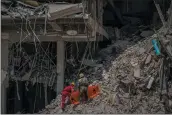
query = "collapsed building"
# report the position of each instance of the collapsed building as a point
(45, 45)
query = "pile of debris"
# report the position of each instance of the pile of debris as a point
(23, 8)
(137, 81)
(131, 85)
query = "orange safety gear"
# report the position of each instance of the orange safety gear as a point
(93, 91)
(74, 98)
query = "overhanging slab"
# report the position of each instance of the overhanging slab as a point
(14, 37)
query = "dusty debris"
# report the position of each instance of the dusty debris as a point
(125, 77)
(142, 50)
(127, 92)
(150, 82)
(137, 71)
(148, 59)
(134, 62)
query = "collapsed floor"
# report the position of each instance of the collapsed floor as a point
(126, 85)
(125, 70)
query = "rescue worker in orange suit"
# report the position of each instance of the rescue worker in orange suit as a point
(83, 86)
(66, 94)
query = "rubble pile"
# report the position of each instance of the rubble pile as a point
(131, 85)
(23, 9)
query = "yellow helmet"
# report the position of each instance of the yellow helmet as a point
(72, 83)
(81, 75)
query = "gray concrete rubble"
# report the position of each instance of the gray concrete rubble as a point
(146, 33)
(124, 87)
(46, 45)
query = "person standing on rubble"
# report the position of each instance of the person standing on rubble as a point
(83, 86)
(66, 94)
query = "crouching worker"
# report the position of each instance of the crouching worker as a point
(66, 94)
(83, 85)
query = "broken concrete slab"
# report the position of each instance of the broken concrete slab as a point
(147, 33)
(97, 27)
(91, 63)
(61, 10)
(137, 71)
(150, 82)
(148, 59)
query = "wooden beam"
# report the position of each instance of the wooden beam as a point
(60, 65)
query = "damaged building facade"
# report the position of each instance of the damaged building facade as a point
(35, 37)
(45, 45)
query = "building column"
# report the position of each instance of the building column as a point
(60, 65)
(4, 78)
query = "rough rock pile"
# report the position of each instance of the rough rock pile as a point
(131, 85)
